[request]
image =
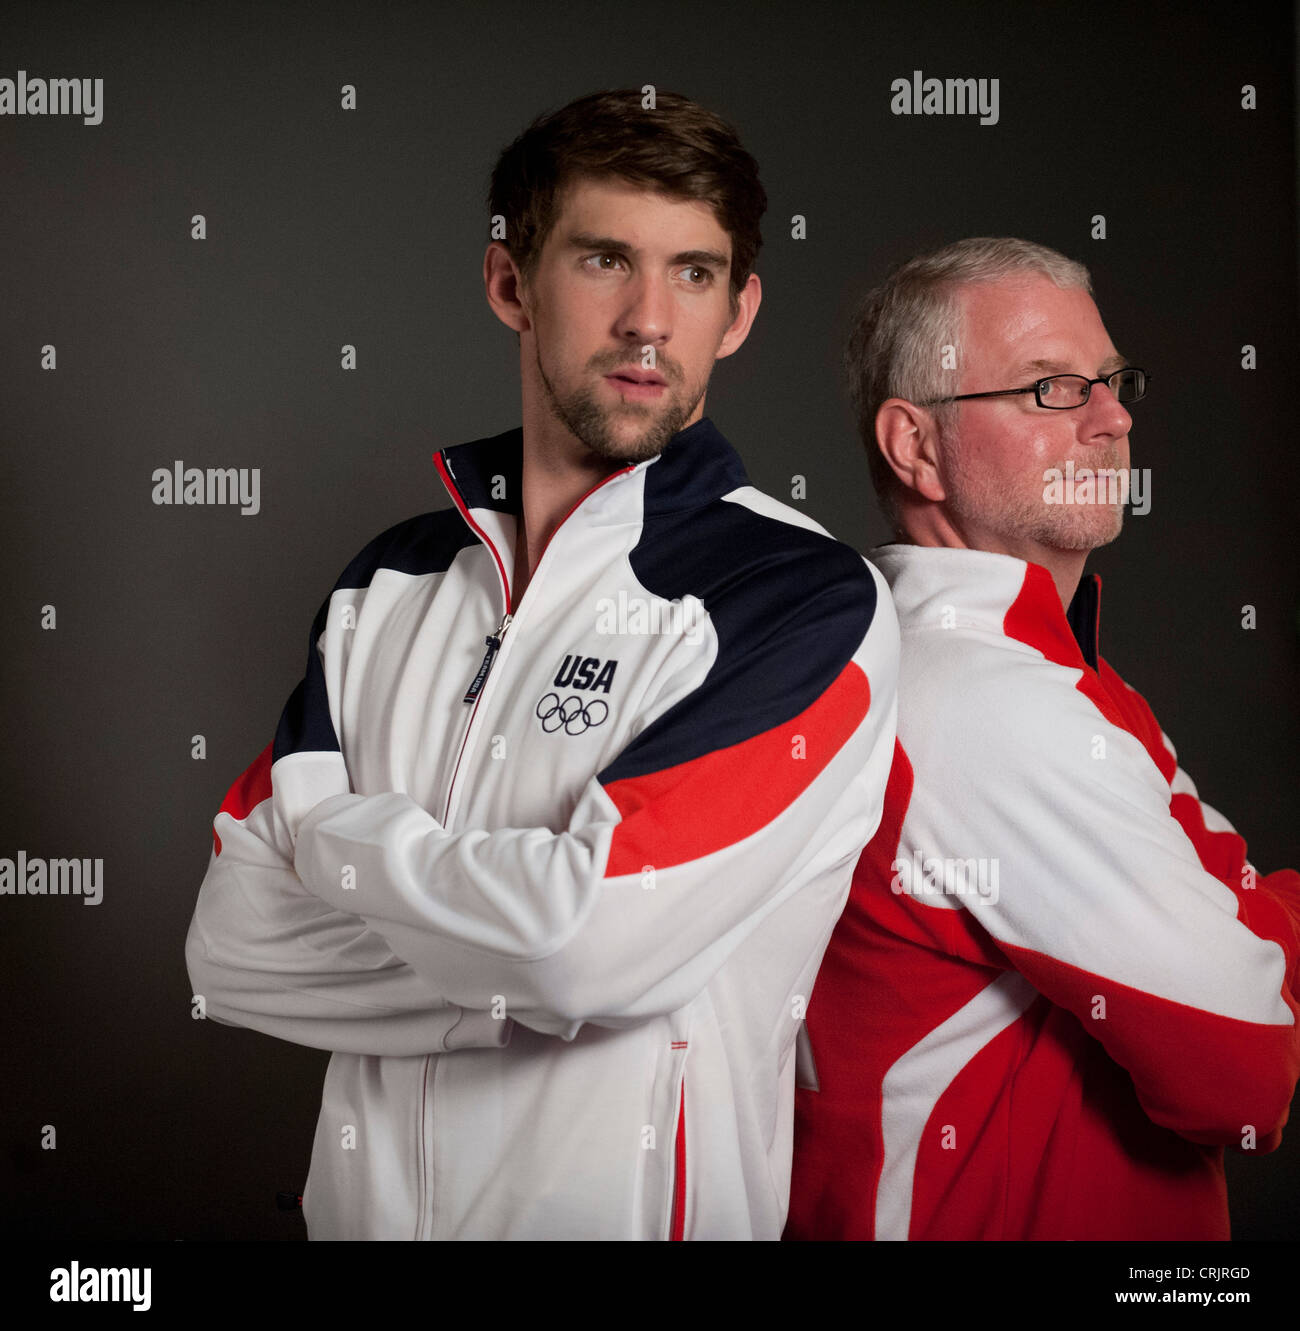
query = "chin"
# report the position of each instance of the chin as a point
(1095, 530)
(614, 445)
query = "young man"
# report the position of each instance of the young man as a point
(553, 834)
(1058, 989)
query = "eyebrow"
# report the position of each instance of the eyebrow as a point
(583, 240)
(1108, 366)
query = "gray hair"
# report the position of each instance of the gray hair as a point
(900, 328)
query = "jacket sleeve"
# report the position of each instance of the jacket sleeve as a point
(762, 781)
(1268, 903)
(264, 953)
(1219, 846)
(1185, 970)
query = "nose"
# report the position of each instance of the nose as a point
(1105, 414)
(646, 314)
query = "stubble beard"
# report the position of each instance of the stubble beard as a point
(593, 423)
(980, 500)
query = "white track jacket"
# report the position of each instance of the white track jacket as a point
(553, 884)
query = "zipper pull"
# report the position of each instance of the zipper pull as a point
(493, 646)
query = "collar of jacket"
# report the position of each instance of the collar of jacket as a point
(994, 593)
(697, 466)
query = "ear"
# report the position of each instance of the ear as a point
(504, 288)
(747, 302)
(909, 438)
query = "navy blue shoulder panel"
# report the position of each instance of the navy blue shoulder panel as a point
(305, 724)
(475, 468)
(425, 544)
(790, 608)
(695, 468)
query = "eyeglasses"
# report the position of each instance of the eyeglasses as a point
(1064, 392)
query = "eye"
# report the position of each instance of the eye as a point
(603, 263)
(697, 276)
(1063, 390)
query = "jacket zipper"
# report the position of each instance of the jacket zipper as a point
(493, 647)
(475, 691)
(424, 1222)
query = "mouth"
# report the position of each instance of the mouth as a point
(638, 385)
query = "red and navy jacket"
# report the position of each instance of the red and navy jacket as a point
(1058, 989)
(552, 881)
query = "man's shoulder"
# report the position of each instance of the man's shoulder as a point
(746, 542)
(971, 697)
(1117, 684)
(1137, 717)
(772, 581)
(427, 543)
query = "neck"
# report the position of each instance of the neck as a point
(552, 485)
(931, 526)
(557, 471)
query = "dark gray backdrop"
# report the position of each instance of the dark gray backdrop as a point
(367, 227)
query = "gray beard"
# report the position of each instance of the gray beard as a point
(589, 422)
(1057, 526)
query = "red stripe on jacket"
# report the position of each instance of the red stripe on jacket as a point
(1035, 618)
(248, 792)
(661, 811)
(679, 1181)
(837, 1127)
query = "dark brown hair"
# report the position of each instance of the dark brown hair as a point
(676, 147)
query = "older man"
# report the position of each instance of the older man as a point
(1059, 989)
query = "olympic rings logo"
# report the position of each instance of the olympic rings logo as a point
(572, 714)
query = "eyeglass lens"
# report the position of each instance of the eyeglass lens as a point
(1071, 390)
